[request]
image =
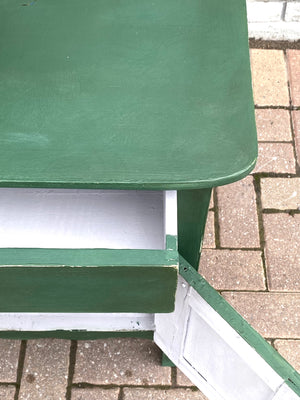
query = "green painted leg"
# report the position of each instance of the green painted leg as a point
(166, 362)
(192, 213)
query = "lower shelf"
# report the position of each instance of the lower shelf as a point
(76, 325)
(140, 281)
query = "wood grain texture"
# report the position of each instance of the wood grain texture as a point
(125, 94)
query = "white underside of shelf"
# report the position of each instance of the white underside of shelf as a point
(69, 218)
(95, 322)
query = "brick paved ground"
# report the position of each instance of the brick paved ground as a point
(251, 254)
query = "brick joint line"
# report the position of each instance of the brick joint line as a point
(174, 377)
(216, 220)
(72, 361)
(261, 232)
(20, 368)
(121, 394)
(86, 385)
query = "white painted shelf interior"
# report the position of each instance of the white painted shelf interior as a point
(77, 218)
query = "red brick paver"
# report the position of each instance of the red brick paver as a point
(95, 394)
(273, 125)
(7, 392)
(280, 193)
(159, 394)
(182, 380)
(276, 157)
(293, 57)
(296, 126)
(120, 362)
(269, 77)
(9, 350)
(209, 237)
(233, 269)
(273, 315)
(237, 215)
(45, 372)
(290, 350)
(282, 232)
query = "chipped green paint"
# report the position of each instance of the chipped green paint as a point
(31, 3)
(240, 325)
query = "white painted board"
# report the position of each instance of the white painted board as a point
(93, 322)
(69, 218)
(212, 354)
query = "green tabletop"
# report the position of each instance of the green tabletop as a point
(132, 94)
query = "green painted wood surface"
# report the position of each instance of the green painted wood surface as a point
(87, 257)
(240, 325)
(88, 289)
(72, 335)
(192, 208)
(125, 94)
(166, 362)
(171, 243)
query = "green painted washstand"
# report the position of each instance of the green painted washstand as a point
(117, 119)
